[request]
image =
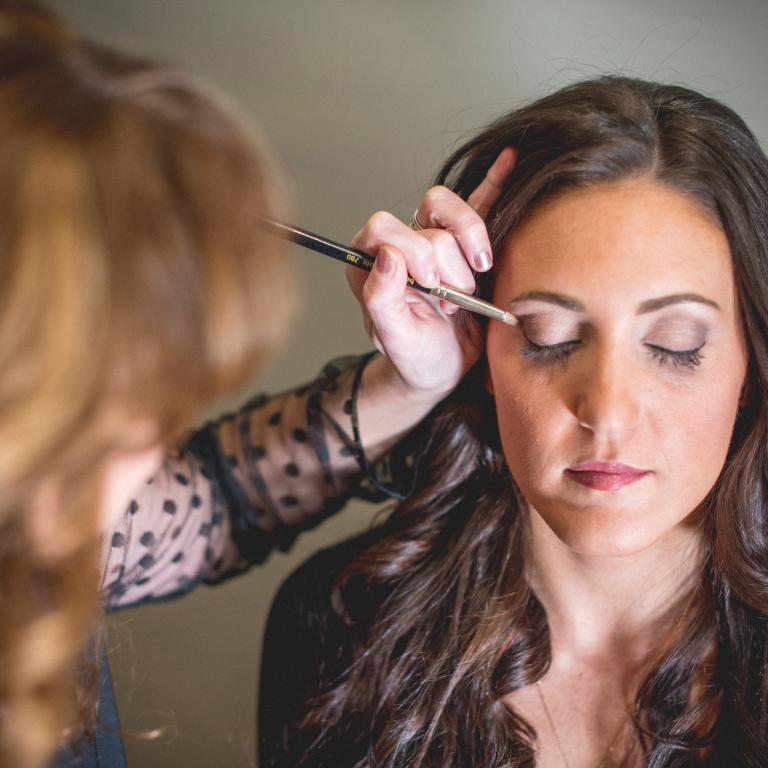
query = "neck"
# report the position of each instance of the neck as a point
(601, 607)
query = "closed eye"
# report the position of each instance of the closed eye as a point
(549, 352)
(687, 358)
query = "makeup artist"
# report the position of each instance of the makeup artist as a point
(137, 290)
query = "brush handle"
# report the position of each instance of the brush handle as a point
(328, 247)
(363, 261)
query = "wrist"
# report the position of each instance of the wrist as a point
(381, 379)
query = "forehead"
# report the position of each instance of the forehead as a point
(618, 243)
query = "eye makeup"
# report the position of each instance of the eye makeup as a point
(551, 336)
(690, 358)
(549, 328)
(677, 340)
(677, 332)
(549, 352)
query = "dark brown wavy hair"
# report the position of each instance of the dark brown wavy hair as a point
(440, 619)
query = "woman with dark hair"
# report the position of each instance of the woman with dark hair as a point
(581, 577)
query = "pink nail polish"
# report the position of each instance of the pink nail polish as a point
(384, 261)
(483, 261)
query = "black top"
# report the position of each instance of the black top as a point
(305, 647)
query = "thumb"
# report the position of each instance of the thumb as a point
(384, 296)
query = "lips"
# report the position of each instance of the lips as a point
(605, 476)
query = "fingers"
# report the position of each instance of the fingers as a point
(429, 256)
(452, 265)
(383, 228)
(382, 294)
(384, 289)
(487, 193)
(455, 234)
(444, 209)
(356, 279)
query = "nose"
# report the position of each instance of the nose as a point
(607, 395)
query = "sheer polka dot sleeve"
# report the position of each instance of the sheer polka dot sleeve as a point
(246, 484)
(174, 534)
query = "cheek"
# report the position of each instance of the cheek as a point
(533, 421)
(694, 434)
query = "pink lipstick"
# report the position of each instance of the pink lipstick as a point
(605, 476)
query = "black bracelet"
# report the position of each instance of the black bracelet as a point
(354, 445)
(359, 450)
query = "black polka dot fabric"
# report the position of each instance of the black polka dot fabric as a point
(237, 488)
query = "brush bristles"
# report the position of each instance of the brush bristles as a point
(509, 319)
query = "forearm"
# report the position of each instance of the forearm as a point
(388, 409)
(252, 480)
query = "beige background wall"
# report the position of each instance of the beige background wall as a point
(362, 100)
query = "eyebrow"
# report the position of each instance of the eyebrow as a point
(651, 305)
(551, 298)
(676, 298)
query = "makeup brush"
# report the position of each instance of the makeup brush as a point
(362, 260)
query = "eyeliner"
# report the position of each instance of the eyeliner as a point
(362, 260)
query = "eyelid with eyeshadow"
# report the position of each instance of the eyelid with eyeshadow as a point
(677, 333)
(538, 330)
(667, 353)
(550, 353)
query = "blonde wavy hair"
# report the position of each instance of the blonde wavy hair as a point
(134, 281)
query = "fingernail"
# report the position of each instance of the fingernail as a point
(384, 261)
(483, 261)
(432, 279)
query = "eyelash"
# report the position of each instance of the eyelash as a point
(690, 358)
(549, 353)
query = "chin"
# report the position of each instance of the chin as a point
(609, 544)
(600, 532)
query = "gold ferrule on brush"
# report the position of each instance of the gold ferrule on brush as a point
(473, 304)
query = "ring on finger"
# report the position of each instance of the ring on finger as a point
(415, 223)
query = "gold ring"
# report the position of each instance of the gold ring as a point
(415, 223)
